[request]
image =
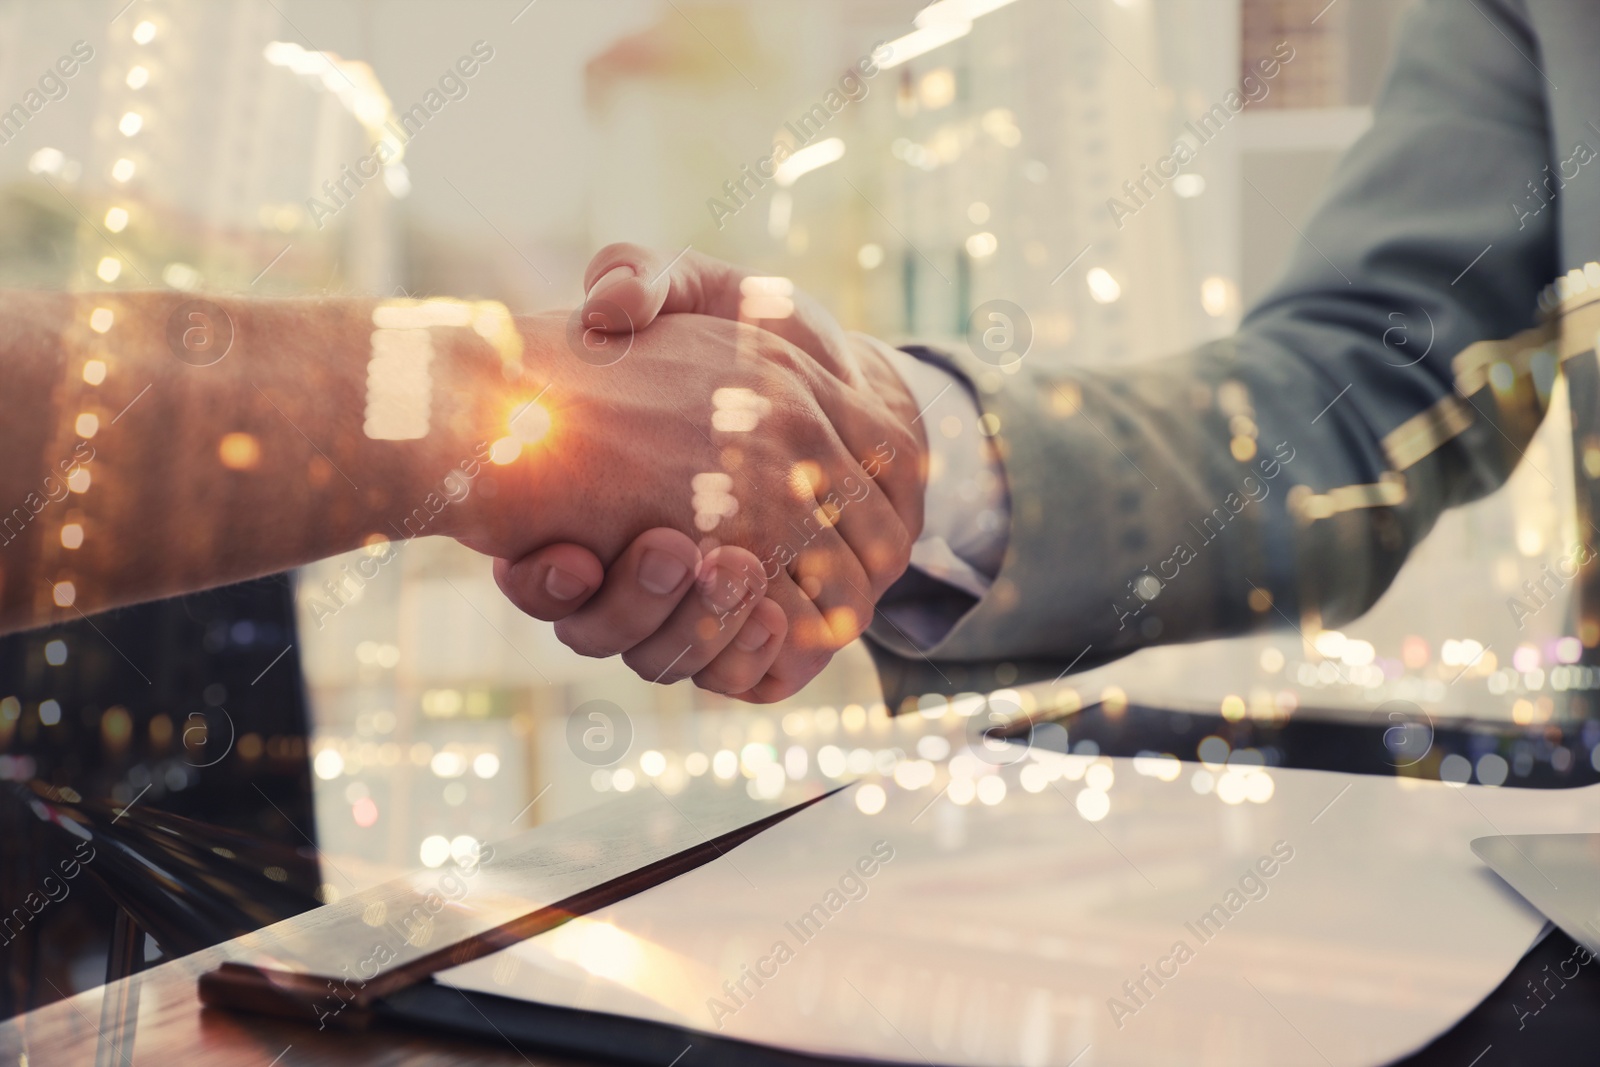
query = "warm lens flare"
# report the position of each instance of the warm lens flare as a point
(737, 410)
(505, 451)
(805, 478)
(239, 451)
(530, 423)
(811, 634)
(844, 623)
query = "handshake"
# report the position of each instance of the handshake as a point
(730, 483)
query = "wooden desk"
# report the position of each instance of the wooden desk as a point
(567, 867)
(170, 1027)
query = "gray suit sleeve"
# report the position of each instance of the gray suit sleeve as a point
(1283, 475)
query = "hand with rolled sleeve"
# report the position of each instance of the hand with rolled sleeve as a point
(331, 424)
(602, 612)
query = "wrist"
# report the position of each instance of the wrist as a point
(494, 418)
(471, 363)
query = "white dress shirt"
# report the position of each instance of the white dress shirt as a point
(967, 510)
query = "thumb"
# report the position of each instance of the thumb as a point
(552, 582)
(628, 285)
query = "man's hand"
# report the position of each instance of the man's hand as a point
(669, 611)
(628, 291)
(314, 427)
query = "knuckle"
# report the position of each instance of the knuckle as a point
(651, 666)
(584, 641)
(601, 635)
(711, 681)
(724, 680)
(800, 665)
(770, 690)
(779, 353)
(530, 603)
(792, 410)
(815, 665)
(885, 560)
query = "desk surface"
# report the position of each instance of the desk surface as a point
(173, 1028)
(157, 1017)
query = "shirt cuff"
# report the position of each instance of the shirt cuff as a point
(967, 510)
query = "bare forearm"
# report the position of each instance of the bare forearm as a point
(136, 467)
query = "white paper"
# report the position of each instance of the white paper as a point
(1004, 934)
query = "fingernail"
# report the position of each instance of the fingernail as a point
(660, 573)
(610, 279)
(563, 585)
(752, 637)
